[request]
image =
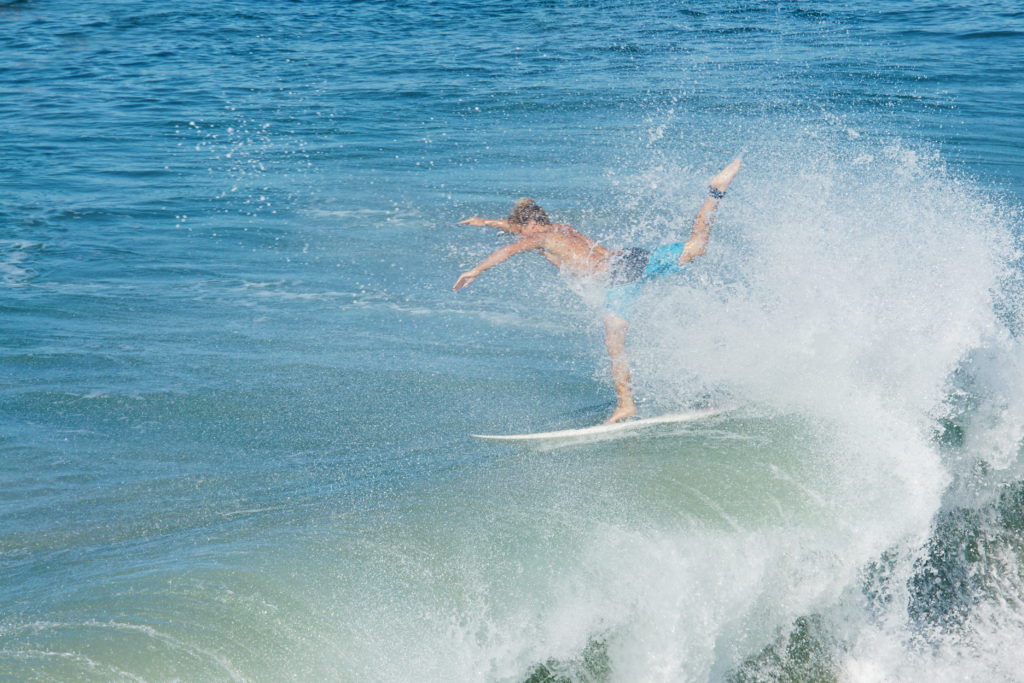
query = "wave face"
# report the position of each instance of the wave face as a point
(238, 391)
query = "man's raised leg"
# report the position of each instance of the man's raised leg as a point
(615, 341)
(697, 245)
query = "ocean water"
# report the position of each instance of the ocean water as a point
(236, 389)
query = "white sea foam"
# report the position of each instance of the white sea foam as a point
(850, 286)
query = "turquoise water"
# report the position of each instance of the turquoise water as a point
(237, 388)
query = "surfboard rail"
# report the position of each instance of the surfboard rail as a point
(624, 426)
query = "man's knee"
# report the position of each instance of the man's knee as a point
(615, 324)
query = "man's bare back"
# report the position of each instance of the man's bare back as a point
(572, 251)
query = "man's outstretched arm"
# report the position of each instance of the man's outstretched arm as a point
(489, 222)
(525, 244)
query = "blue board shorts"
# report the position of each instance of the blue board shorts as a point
(620, 301)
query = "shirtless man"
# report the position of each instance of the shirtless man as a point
(623, 272)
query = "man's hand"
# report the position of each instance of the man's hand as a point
(465, 279)
(474, 220)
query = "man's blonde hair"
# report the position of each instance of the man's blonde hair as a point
(525, 211)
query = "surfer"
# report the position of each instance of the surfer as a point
(623, 273)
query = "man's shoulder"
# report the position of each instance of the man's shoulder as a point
(560, 231)
(554, 235)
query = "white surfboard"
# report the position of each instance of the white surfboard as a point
(624, 426)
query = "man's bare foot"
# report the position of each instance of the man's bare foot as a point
(621, 413)
(721, 181)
